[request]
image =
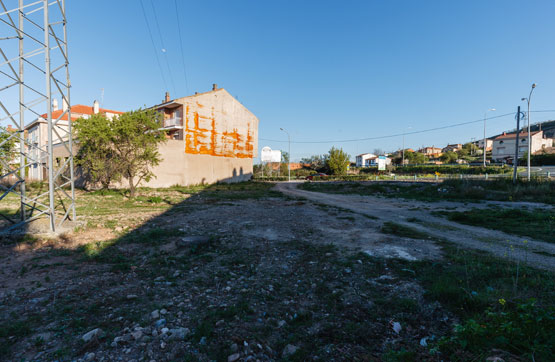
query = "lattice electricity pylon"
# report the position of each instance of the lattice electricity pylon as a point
(33, 39)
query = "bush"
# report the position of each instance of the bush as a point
(524, 329)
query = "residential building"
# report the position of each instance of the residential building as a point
(369, 160)
(212, 138)
(431, 152)
(452, 148)
(489, 144)
(504, 145)
(37, 133)
(364, 159)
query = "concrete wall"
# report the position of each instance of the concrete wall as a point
(180, 168)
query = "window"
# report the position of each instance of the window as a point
(500, 142)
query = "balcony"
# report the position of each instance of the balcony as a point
(173, 123)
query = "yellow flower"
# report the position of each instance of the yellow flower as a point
(502, 301)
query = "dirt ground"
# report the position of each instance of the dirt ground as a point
(539, 253)
(292, 276)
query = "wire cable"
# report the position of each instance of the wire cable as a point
(154, 46)
(181, 46)
(405, 133)
(164, 50)
(394, 135)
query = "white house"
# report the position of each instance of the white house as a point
(504, 145)
(37, 133)
(369, 159)
(365, 159)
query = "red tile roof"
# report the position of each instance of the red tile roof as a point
(78, 110)
(512, 135)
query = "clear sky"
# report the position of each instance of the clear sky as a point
(325, 70)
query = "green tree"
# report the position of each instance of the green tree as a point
(284, 161)
(123, 147)
(316, 162)
(415, 157)
(7, 150)
(96, 156)
(337, 161)
(449, 157)
(135, 138)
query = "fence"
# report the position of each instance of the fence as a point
(549, 176)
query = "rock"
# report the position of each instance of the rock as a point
(96, 333)
(164, 330)
(281, 323)
(131, 296)
(179, 333)
(45, 337)
(202, 341)
(163, 311)
(234, 357)
(234, 347)
(137, 335)
(194, 240)
(155, 314)
(289, 350)
(160, 323)
(90, 356)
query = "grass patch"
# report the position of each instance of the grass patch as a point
(538, 224)
(535, 190)
(501, 305)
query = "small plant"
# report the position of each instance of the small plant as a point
(521, 329)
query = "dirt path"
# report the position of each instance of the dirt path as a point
(534, 252)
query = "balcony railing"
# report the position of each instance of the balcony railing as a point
(172, 122)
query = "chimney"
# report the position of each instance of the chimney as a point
(55, 105)
(96, 107)
(214, 87)
(64, 104)
(167, 98)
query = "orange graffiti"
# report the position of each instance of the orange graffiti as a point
(206, 135)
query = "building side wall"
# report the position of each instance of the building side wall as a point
(179, 168)
(216, 124)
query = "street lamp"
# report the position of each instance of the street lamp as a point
(289, 160)
(485, 143)
(529, 143)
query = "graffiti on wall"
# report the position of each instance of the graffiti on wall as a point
(206, 136)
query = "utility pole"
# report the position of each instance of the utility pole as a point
(289, 160)
(515, 162)
(529, 138)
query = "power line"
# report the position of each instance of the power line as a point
(164, 50)
(154, 46)
(394, 135)
(405, 133)
(181, 46)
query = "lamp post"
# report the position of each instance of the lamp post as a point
(289, 160)
(485, 143)
(529, 143)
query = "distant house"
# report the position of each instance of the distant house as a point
(489, 144)
(369, 160)
(504, 145)
(452, 148)
(431, 152)
(365, 159)
(37, 133)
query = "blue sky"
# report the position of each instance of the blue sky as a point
(325, 70)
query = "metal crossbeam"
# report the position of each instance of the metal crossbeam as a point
(29, 29)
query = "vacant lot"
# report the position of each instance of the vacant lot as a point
(243, 272)
(448, 190)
